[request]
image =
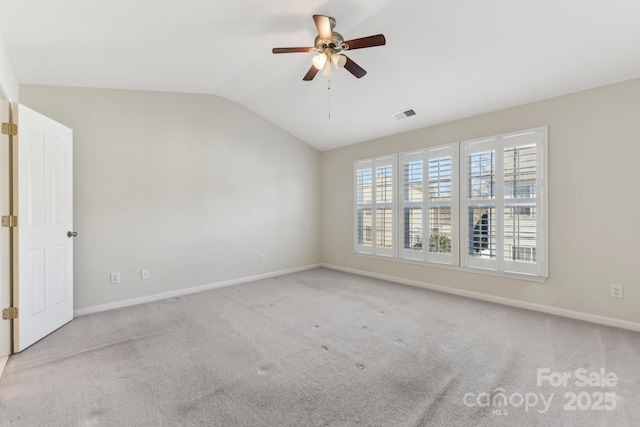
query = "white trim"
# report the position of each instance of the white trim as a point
(5, 233)
(187, 291)
(572, 314)
(3, 363)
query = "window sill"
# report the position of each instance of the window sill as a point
(464, 269)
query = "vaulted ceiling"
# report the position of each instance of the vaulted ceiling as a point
(446, 59)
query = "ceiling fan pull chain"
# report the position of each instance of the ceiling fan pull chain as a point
(329, 89)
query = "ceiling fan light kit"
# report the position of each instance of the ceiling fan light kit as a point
(339, 60)
(319, 61)
(326, 71)
(329, 44)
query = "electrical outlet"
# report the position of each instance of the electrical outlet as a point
(261, 257)
(144, 274)
(115, 278)
(616, 291)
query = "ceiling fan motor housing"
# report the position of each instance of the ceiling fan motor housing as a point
(337, 44)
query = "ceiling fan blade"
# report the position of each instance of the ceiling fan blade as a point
(371, 41)
(323, 24)
(310, 74)
(354, 68)
(291, 49)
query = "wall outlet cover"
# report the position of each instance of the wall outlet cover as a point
(114, 278)
(616, 291)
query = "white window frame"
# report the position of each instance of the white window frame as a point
(491, 202)
(460, 259)
(425, 156)
(499, 143)
(373, 164)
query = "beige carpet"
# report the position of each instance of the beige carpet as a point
(323, 348)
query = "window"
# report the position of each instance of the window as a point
(478, 204)
(503, 182)
(374, 222)
(428, 179)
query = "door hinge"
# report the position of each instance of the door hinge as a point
(9, 221)
(9, 129)
(10, 313)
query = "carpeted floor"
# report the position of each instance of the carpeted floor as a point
(324, 348)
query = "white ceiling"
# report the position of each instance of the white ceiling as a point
(447, 59)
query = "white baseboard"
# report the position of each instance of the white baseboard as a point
(593, 318)
(186, 291)
(3, 363)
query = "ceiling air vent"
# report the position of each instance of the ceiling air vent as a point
(403, 114)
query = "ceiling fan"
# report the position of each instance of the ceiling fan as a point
(329, 45)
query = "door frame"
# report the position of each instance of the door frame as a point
(15, 265)
(6, 240)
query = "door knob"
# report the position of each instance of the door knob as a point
(72, 234)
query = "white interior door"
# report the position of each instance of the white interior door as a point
(5, 256)
(45, 217)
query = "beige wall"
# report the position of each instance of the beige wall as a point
(594, 201)
(192, 187)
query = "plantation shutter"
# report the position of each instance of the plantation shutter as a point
(502, 186)
(428, 179)
(374, 199)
